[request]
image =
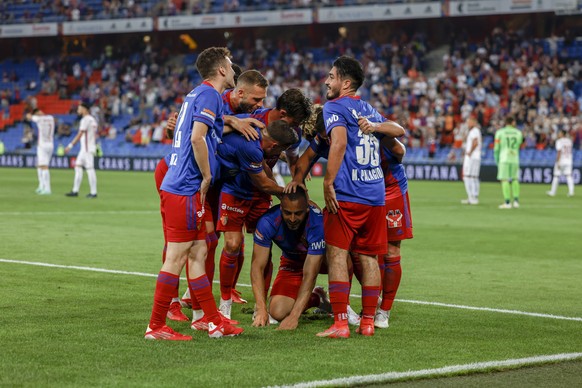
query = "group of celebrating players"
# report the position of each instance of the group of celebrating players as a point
(218, 178)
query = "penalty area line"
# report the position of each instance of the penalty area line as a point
(438, 372)
(420, 302)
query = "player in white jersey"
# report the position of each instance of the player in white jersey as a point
(563, 165)
(44, 148)
(87, 136)
(472, 162)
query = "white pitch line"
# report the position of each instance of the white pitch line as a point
(58, 213)
(517, 312)
(437, 372)
(474, 308)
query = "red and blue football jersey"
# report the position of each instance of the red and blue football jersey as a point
(240, 157)
(295, 244)
(395, 179)
(360, 178)
(203, 104)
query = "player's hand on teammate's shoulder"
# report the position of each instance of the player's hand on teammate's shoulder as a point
(366, 126)
(248, 127)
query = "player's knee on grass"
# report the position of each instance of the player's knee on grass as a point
(280, 306)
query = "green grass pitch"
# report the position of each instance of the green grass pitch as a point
(65, 325)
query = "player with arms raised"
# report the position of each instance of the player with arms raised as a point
(44, 149)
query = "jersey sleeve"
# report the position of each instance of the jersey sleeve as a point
(265, 231)
(320, 147)
(250, 156)
(333, 116)
(314, 233)
(84, 124)
(208, 106)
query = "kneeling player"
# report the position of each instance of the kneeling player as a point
(296, 228)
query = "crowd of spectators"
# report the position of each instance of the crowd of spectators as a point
(75, 10)
(506, 73)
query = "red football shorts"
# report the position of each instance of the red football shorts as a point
(234, 213)
(212, 203)
(398, 218)
(357, 228)
(183, 217)
(160, 173)
(289, 278)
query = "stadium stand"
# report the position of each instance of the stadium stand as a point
(505, 71)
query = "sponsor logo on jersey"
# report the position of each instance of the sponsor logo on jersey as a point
(394, 218)
(258, 235)
(332, 119)
(232, 209)
(256, 166)
(317, 245)
(208, 113)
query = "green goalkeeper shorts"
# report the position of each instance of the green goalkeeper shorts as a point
(507, 171)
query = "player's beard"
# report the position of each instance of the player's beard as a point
(331, 94)
(246, 107)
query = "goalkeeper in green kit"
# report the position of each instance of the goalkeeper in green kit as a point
(507, 143)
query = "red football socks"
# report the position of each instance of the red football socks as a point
(228, 267)
(339, 294)
(200, 287)
(390, 281)
(166, 287)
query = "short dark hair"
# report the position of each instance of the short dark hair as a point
(299, 193)
(296, 104)
(509, 120)
(210, 60)
(282, 133)
(253, 77)
(348, 67)
(85, 104)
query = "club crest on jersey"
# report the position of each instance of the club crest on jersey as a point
(394, 218)
(223, 219)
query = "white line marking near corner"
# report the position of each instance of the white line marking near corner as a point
(438, 372)
(456, 306)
